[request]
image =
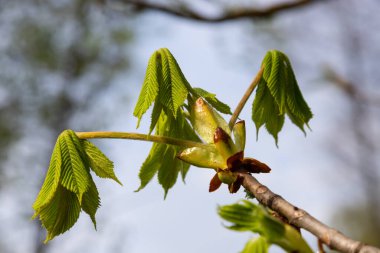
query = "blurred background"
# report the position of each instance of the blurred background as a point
(80, 64)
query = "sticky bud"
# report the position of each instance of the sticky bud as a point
(227, 177)
(224, 143)
(239, 135)
(205, 120)
(201, 157)
(215, 183)
(255, 166)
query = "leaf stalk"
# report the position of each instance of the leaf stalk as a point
(245, 98)
(141, 137)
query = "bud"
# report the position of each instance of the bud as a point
(205, 120)
(227, 177)
(254, 166)
(239, 135)
(204, 158)
(215, 183)
(224, 143)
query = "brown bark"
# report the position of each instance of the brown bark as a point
(300, 218)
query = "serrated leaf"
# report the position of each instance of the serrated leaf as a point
(184, 170)
(51, 182)
(60, 214)
(296, 107)
(172, 90)
(265, 111)
(170, 167)
(247, 216)
(74, 175)
(179, 84)
(156, 112)
(278, 94)
(212, 100)
(91, 201)
(151, 165)
(276, 82)
(150, 87)
(256, 245)
(157, 162)
(99, 163)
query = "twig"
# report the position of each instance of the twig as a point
(245, 97)
(350, 89)
(141, 137)
(226, 16)
(300, 218)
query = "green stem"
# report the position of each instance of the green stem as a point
(141, 137)
(245, 97)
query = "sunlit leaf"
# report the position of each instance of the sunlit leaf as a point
(91, 201)
(247, 216)
(278, 94)
(75, 173)
(256, 245)
(99, 163)
(61, 213)
(165, 85)
(151, 165)
(52, 178)
(212, 100)
(170, 167)
(150, 86)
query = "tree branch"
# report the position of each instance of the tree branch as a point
(350, 89)
(300, 218)
(187, 13)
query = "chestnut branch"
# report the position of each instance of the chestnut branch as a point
(300, 218)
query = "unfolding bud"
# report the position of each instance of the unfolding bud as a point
(235, 186)
(205, 120)
(239, 135)
(234, 162)
(227, 176)
(254, 166)
(201, 157)
(224, 143)
(215, 183)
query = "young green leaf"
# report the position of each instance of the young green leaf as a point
(170, 167)
(61, 213)
(265, 111)
(278, 94)
(99, 163)
(150, 86)
(178, 85)
(212, 100)
(256, 245)
(165, 85)
(91, 201)
(51, 182)
(246, 216)
(75, 175)
(68, 186)
(162, 158)
(151, 165)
